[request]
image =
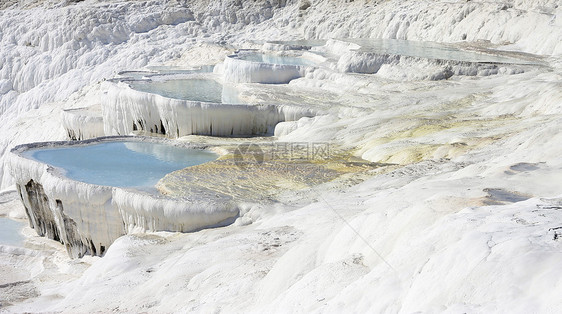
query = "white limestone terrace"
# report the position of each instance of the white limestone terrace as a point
(87, 122)
(414, 60)
(267, 67)
(450, 251)
(83, 123)
(177, 101)
(88, 217)
(192, 104)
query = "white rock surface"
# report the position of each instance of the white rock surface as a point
(237, 70)
(124, 107)
(465, 222)
(83, 123)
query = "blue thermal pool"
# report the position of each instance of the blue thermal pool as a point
(273, 59)
(10, 232)
(205, 90)
(121, 164)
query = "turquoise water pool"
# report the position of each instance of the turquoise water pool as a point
(10, 232)
(187, 89)
(121, 164)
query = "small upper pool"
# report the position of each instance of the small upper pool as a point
(121, 164)
(205, 90)
(273, 59)
(10, 232)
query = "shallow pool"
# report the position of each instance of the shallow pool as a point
(121, 164)
(187, 89)
(430, 50)
(273, 59)
(10, 232)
